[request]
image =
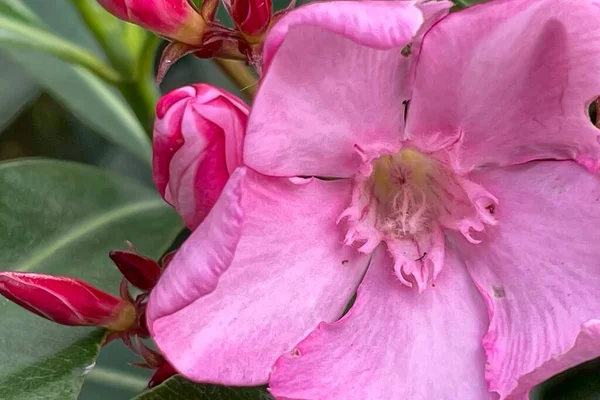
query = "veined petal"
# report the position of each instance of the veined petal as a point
(514, 78)
(335, 77)
(289, 272)
(538, 271)
(394, 343)
(198, 265)
(585, 344)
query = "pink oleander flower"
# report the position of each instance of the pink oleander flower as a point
(175, 19)
(468, 219)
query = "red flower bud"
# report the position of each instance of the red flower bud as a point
(252, 17)
(67, 301)
(163, 373)
(175, 19)
(140, 271)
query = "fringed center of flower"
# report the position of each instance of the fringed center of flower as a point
(402, 186)
(406, 199)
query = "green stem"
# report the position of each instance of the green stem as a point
(142, 98)
(137, 89)
(116, 51)
(145, 62)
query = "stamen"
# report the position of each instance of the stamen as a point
(406, 199)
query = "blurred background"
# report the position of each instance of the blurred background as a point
(48, 110)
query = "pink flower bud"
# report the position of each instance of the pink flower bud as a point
(252, 17)
(198, 136)
(67, 301)
(174, 19)
(140, 271)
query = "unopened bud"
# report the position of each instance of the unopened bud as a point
(175, 19)
(142, 272)
(163, 373)
(252, 17)
(67, 301)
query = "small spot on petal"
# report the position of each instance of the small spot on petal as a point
(344, 262)
(499, 292)
(296, 353)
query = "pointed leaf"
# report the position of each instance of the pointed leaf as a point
(177, 388)
(63, 218)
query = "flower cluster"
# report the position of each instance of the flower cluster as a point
(446, 178)
(193, 28)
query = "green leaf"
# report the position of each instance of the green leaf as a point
(467, 3)
(178, 388)
(17, 10)
(21, 87)
(18, 34)
(63, 218)
(93, 101)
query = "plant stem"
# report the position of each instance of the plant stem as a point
(137, 89)
(145, 62)
(142, 99)
(237, 72)
(116, 51)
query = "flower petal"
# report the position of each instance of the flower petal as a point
(394, 343)
(585, 344)
(335, 77)
(537, 269)
(516, 87)
(290, 271)
(197, 143)
(198, 265)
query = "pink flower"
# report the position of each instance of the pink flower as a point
(466, 219)
(174, 19)
(198, 137)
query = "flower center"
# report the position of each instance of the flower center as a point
(403, 185)
(406, 199)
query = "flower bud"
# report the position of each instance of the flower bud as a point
(164, 372)
(252, 17)
(67, 301)
(198, 137)
(142, 272)
(175, 19)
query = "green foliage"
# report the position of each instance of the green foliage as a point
(178, 388)
(84, 93)
(63, 218)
